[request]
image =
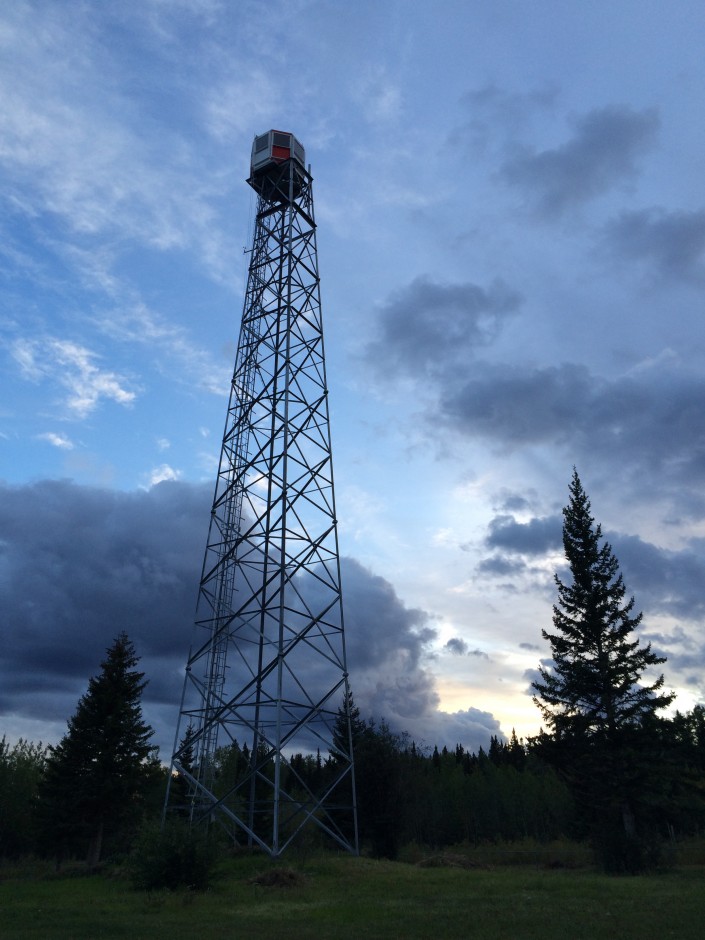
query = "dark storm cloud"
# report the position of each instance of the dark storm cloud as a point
(651, 422)
(535, 537)
(602, 153)
(426, 327)
(508, 539)
(385, 642)
(533, 675)
(500, 566)
(514, 502)
(78, 565)
(495, 114)
(456, 646)
(517, 406)
(671, 244)
(684, 651)
(472, 728)
(663, 580)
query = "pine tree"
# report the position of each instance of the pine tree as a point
(595, 684)
(99, 772)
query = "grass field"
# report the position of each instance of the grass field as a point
(344, 897)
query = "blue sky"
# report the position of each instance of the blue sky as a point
(510, 201)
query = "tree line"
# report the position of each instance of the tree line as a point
(607, 766)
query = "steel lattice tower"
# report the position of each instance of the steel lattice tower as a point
(266, 679)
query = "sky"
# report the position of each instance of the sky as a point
(510, 200)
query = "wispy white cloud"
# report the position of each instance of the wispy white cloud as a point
(62, 441)
(140, 324)
(70, 145)
(24, 353)
(74, 368)
(208, 9)
(241, 102)
(162, 473)
(379, 95)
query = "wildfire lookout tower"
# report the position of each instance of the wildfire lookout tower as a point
(263, 744)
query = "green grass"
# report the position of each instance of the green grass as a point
(343, 897)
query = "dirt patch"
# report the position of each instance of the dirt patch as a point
(449, 861)
(278, 878)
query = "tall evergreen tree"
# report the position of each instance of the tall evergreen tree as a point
(98, 774)
(348, 725)
(594, 698)
(595, 686)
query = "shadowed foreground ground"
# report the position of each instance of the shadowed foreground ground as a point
(343, 897)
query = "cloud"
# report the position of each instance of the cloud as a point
(74, 150)
(669, 243)
(100, 561)
(241, 102)
(378, 95)
(535, 537)
(136, 323)
(456, 646)
(513, 502)
(56, 440)
(73, 367)
(651, 420)
(426, 327)
(497, 114)
(517, 405)
(685, 652)
(472, 728)
(664, 580)
(602, 153)
(385, 642)
(500, 566)
(162, 473)
(533, 675)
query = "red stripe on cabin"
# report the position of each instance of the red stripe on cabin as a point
(281, 153)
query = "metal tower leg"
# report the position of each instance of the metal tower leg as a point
(266, 686)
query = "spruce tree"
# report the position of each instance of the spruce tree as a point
(348, 724)
(595, 685)
(599, 708)
(98, 774)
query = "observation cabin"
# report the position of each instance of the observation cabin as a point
(269, 170)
